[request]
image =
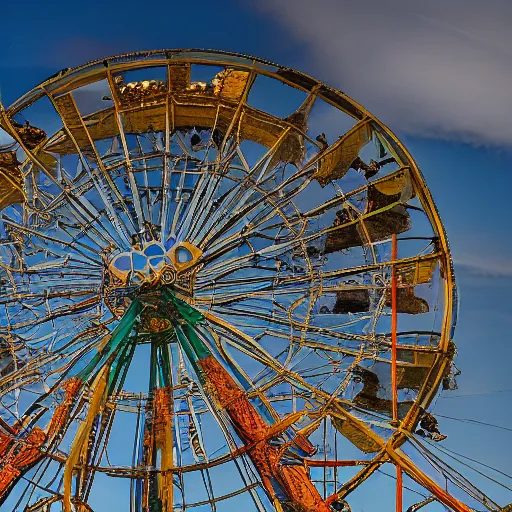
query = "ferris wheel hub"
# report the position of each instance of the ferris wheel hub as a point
(147, 267)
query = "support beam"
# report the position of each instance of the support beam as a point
(394, 251)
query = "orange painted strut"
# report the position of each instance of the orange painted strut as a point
(399, 489)
(394, 256)
(424, 480)
(252, 429)
(159, 438)
(335, 463)
(17, 455)
(394, 252)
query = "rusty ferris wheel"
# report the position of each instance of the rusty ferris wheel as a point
(224, 285)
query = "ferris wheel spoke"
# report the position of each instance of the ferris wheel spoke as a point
(247, 344)
(204, 283)
(128, 165)
(223, 293)
(285, 326)
(339, 237)
(72, 245)
(61, 346)
(103, 222)
(270, 252)
(375, 217)
(199, 208)
(303, 237)
(226, 292)
(241, 201)
(40, 244)
(206, 212)
(211, 272)
(45, 271)
(297, 380)
(89, 218)
(57, 360)
(241, 193)
(248, 233)
(105, 186)
(120, 226)
(62, 381)
(223, 228)
(207, 217)
(88, 232)
(58, 313)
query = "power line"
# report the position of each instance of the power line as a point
(472, 468)
(452, 474)
(477, 394)
(472, 460)
(468, 420)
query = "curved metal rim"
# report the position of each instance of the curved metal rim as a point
(68, 80)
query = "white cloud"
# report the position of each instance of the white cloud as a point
(441, 68)
(478, 265)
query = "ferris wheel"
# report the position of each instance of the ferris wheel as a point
(224, 286)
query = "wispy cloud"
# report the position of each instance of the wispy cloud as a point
(437, 69)
(485, 267)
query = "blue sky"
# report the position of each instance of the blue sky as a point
(437, 75)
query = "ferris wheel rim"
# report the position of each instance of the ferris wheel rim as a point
(400, 152)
